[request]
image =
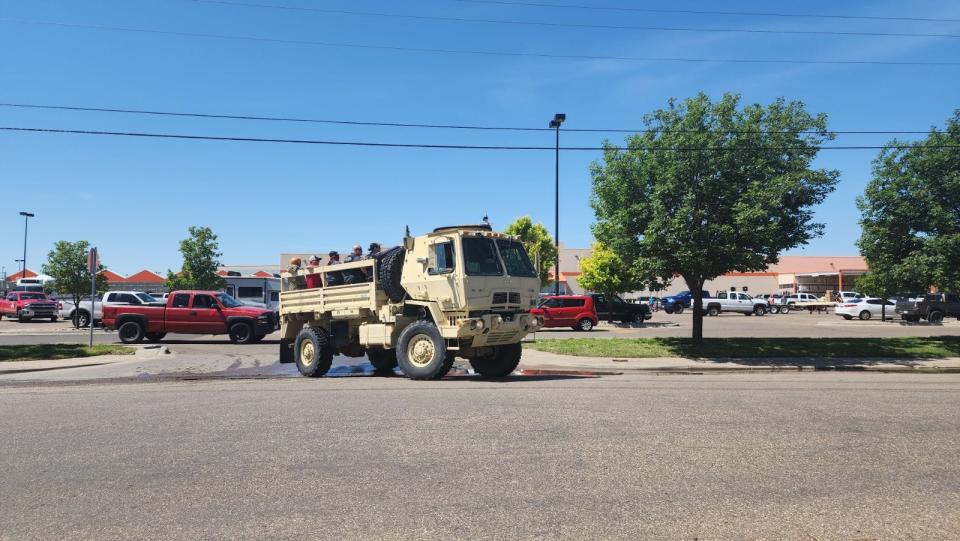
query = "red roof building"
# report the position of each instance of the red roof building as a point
(21, 274)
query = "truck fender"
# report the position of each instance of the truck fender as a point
(246, 319)
(432, 309)
(123, 318)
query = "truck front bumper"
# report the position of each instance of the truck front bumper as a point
(495, 330)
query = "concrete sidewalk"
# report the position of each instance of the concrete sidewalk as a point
(533, 359)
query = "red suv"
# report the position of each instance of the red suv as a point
(575, 311)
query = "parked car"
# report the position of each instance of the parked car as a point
(27, 305)
(675, 304)
(866, 308)
(190, 312)
(575, 311)
(735, 302)
(791, 300)
(932, 307)
(622, 310)
(848, 296)
(80, 315)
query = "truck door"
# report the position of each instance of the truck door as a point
(208, 317)
(177, 314)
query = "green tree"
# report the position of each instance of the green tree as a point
(606, 272)
(200, 261)
(710, 188)
(910, 214)
(67, 265)
(536, 240)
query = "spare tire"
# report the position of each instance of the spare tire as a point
(390, 271)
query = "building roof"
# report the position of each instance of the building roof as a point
(265, 270)
(146, 277)
(113, 277)
(27, 273)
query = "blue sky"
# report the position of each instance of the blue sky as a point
(135, 198)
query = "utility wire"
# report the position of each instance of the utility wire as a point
(705, 12)
(478, 52)
(436, 126)
(446, 146)
(571, 25)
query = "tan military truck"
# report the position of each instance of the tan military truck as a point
(461, 291)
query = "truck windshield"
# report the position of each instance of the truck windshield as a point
(515, 258)
(32, 296)
(146, 298)
(227, 301)
(480, 257)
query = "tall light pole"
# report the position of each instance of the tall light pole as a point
(555, 124)
(26, 217)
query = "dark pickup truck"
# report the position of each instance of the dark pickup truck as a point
(932, 307)
(622, 310)
(191, 312)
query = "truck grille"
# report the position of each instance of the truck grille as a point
(42, 309)
(504, 297)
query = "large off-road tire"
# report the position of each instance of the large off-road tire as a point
(154, 336)
(130, 332)
(585, 325)
(313, 352)
(383, 360)
(422, 351)
(81, 318)
(865, 315)
(713, 311)
(390, 271)
(501, 364)
(286, 352)
(935, 316)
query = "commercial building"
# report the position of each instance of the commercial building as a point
(793, 274)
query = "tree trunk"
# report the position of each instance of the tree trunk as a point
(696, 292)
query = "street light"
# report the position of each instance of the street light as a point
(26, 216)
(555, 124)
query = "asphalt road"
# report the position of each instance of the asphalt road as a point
(782, 455)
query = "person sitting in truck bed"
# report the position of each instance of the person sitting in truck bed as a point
(314, 280)
(334, 278)
(374, 254)
(354, 276)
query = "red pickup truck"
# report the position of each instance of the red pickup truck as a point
(27, 305)
(191, 312)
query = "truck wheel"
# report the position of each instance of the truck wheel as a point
(678, 309)
(421, 351)
(314, 353)
(130, 332)
(501, 364)
(759, 310)
(286, 352)
(668, 310)
(390, 272)
(383, 360)
(241, 332)
(585, 325)
(865, 315)
(20, 318)
(81, 318)
(774, 309)
(935, 317)
(155, 336)
(713, 311)
(784, 309)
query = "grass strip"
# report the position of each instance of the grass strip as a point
(37, 352)
(937, 347)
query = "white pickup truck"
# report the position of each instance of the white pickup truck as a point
(83, 311)
(731, 301)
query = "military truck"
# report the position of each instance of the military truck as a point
(460, 291)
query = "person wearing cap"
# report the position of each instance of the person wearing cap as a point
(313, 279)
(353, 276)
(334, 278)
(374, 253)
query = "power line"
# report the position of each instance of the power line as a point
(478, 52)
(448, 146)
(434, 126)
(705, 12)
(571, 25)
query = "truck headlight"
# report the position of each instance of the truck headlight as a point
(476, 324)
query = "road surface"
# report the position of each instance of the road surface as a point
(780, 455)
